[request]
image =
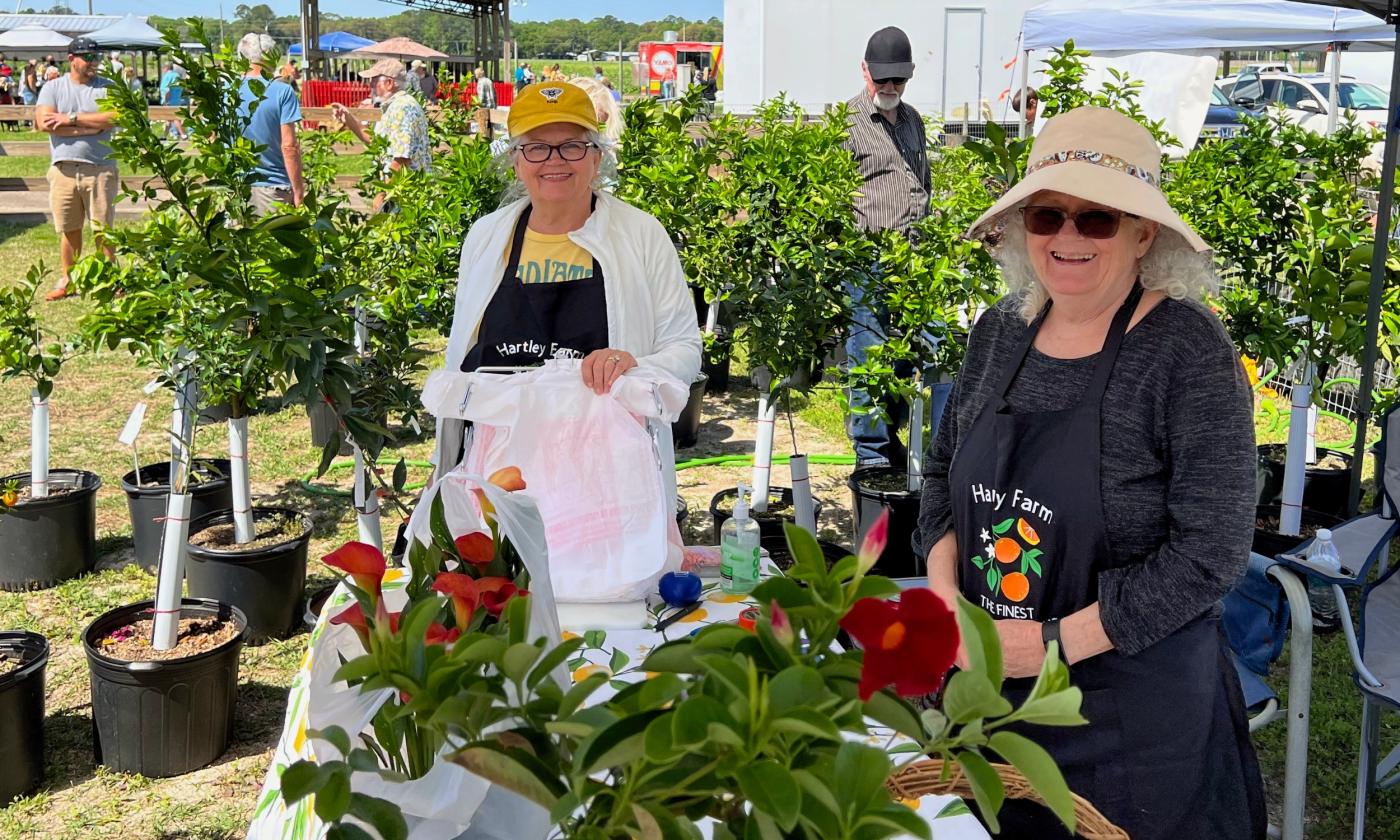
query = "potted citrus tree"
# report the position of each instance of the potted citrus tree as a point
(48, 518)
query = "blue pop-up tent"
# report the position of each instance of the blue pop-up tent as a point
(335, 42)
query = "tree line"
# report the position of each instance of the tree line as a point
(454, 35)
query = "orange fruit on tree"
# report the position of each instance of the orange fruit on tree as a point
(1015, 586)
(1006, 550)
(1027, 532)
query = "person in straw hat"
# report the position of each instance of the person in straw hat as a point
(404, 123)
(568, 270)
(1092, 485)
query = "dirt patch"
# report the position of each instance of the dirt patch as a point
(1330, 462)
(1271, 523)
(268, 532)
(26, 493)
(886, 482)
(132, 643)
(9, 662)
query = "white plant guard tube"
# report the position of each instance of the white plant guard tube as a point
(1311, 452)
(712, 317)
(242, 491)
(171, 573)
(38, 446)
(914, 462)
(366, 504)
(803, 509)
(763, 443)
(1295, 465)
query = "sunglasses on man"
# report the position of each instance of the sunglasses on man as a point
(1091, 224)
(892, 80)
(85, 56)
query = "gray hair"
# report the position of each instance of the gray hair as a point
(1171, 265)
(257, 47)
(602, 182)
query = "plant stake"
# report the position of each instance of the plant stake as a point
(170, 574)
(803, 510)
(38, 446)
(763, 443)
(1295, 466)
(366, 499)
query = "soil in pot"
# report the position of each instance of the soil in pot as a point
(8, 663)
(782, 558)
(1269, 542)
(1326, 483)
(770, 522)
(198, 634)
(146, 502)
(49, 540)
(886, 480)
(264, 578)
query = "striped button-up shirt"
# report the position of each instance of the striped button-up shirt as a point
(894, 161)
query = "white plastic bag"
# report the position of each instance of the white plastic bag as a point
(588, 460)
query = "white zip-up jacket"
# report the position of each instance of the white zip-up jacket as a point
(651, 313)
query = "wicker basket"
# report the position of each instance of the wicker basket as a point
(926, 777)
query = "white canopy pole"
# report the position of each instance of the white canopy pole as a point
(1334, 87)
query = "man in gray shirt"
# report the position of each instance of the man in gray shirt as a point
(83, 184)
(886, 137)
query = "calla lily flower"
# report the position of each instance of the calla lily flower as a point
(440, 635)
(363, 563)
(874, 543)
(910, 646)
(463, 591)
(506, 478)
(354, 618)
(478, 548)
(496, 591)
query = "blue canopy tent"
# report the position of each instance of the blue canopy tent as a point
(335, 42)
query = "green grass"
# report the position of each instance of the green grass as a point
(585, 68)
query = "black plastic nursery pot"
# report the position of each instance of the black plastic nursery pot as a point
(686, 430)
(682, 512)
(781, 556)
(1271, 543)
(716, 372)
(49, 540)
(165, 718)
(265, 583)
(868, 500)
(1324, 490)
(22, 714)
(770, 523)
(146, 502)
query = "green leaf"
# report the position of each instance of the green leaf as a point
(970, 696)
(400, 475)
(304, 778)
(381, 814)
(333, 799)
(690, 723)
(437, 524)
(359, 668)
(986, 785)
(886, 708)
(727, 672)
(517, 661)
(772, 789)
(618, 661)
(808, 723)
(955, 808)
(346, 831)
(515, 770)
(798, 685)
(860, 773)
(806, 553)
(1039, 769)
(551, 660)
(1003, 526)
(980, 638)
(617, 745)
(899, 820)
(333, 735)
(576, 696)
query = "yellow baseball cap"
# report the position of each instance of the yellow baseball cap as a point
(550, 102)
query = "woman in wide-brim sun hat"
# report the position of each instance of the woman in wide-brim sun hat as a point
(570, 271)
(1092, 485)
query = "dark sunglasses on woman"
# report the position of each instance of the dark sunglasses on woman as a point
(1091, 224)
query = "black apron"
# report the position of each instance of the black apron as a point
(526, 324)
(1166, 753)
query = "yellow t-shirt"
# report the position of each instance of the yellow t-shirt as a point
(552, 258)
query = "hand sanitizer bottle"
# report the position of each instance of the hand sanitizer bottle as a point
(738, 548)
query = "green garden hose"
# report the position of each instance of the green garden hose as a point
(747, 460)
(308, 481)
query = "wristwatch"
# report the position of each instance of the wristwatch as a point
(72, 117)
(1050, 632)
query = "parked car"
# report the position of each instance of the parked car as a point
(1223, 116)
(1304, 98)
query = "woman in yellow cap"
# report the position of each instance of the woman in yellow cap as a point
(570, 271)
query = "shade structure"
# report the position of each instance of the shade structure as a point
(1101, 25)
(33, 38)
(397, 48)
(129, 33)
(336, 43)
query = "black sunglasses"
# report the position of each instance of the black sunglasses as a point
(895, 80)
(1091, 224)
(85, 56)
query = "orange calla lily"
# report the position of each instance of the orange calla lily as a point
(478, 549)
(463, 591)
(363, 563)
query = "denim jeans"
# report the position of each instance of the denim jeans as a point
(876, 441)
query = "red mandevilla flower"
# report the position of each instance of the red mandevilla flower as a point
(478, 549)
(363, 563)
(440, 635)
(496, 592)
(910, 646)
(463, 591)
(780, 623)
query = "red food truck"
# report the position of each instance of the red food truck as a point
(657, 61)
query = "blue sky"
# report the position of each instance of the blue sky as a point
(636, 10)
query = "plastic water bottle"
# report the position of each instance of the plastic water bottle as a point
(738, 549)
(1322, 556)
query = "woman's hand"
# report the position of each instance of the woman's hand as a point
(1022, 649)
(601, 368)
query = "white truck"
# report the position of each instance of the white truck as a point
(965, 53)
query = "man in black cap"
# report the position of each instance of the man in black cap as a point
(886, 136)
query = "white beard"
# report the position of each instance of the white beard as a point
(886, 101)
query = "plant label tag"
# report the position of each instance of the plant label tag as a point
(413, 421)
(133, 425)
(151, 387)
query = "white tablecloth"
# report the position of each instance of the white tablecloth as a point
(619, 651)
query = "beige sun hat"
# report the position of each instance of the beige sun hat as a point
(391, 67)
(1099, 155)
